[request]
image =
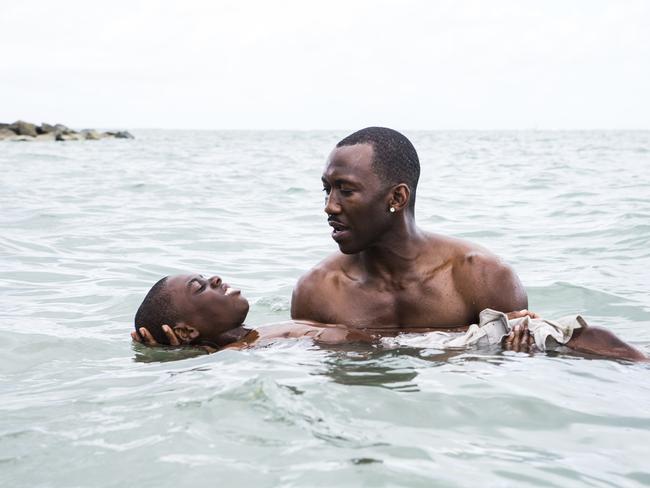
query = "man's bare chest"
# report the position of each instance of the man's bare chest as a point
(428, 303)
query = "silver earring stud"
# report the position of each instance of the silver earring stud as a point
(392, 209)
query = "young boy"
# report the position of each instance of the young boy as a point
(196, 311)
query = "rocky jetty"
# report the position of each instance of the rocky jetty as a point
(24, 131)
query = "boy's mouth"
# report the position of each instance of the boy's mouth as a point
(229, 290)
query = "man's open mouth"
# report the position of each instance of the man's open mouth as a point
(339, 230)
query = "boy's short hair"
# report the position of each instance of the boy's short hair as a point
(155, 311)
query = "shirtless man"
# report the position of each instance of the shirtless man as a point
(389, 272)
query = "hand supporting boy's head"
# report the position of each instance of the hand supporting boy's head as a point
(198, 309)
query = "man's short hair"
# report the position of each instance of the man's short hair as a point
(395, 159)
(157, 310)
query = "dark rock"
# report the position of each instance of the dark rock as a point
(67, 136)
(90, 135)
(6, 133)
(63, 129)
(24, 131)
(50, 136)
(46, 128)
(23, 128)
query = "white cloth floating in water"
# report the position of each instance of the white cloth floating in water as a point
(493, 326)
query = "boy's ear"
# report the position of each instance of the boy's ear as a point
(186, 333)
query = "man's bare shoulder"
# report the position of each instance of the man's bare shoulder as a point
(464, 255)
(329, 268)
(472, 257)
(317, 283)
(485, 279)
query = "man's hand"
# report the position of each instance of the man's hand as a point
(148, 340)
(519, 340)
(522, 313)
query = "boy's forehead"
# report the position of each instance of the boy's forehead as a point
(177, 283)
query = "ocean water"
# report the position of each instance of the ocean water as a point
(87, 227)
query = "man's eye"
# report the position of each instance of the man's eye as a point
(327, 190)
(346, 193)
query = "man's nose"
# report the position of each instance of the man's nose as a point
(215, 281)
(332, 206)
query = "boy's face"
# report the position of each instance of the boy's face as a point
(207, 304)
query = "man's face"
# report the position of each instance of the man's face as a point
(207, 304)
(356, 201)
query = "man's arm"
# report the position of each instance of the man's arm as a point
(590, 340)
(342, 335)
(603, 342)
(490, 283)
(303, 297)
(493, 284)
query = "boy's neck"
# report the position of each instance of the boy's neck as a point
(228, 337)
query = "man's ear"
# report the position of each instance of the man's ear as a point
(186, 333)
(400, 196)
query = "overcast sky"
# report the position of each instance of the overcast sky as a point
(249, 64)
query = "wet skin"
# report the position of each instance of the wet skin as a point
(208, 302)
(389, 274)
(209, 307)
(212, 315)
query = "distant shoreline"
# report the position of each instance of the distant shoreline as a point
(26, 131)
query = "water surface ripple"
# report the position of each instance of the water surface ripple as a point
(88, 227)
